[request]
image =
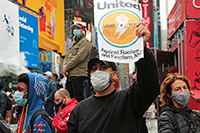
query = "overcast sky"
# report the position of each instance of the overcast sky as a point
(163, 11)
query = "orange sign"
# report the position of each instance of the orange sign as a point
(51, 27)
(118, 27)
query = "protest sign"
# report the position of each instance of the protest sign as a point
(116, 22)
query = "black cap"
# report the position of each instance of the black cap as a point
(107, 63)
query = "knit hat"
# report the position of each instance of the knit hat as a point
(173, 70)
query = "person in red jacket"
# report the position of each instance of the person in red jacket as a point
(66, 104)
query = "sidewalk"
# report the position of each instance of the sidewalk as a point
(152, 125)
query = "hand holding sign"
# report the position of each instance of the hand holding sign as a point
(141, 30)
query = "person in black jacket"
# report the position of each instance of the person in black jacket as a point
(3, 101)
(176, 116)
(111, 111)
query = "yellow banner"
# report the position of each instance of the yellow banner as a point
(51, 27)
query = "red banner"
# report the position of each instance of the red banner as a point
(176, 17)
(193, 9)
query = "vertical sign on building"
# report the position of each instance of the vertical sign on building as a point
(28, 26)
(147, 7)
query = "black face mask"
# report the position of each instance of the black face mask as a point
(61, 104)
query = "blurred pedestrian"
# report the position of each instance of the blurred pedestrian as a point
(9, 112)
(75, 63)
(57, 81)
(3, 101)
(62, 80)
(49, 97)
(176, 116)
(108, 110)
(66, 104)
(30, 94)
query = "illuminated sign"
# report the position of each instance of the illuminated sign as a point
(42, 56)
(51, 26)
(28, 27)
(192, 8)
(176, 17)
(147, 7)
(77, 19)
(45, 58)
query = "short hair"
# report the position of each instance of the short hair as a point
(166, 89)
(61, 76)
(55, 75)
(63, 92)
(23, 78)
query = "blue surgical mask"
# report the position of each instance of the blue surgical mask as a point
(76, 32)
(18, 98)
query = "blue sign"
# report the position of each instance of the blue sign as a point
(45, 61)
(28, 31)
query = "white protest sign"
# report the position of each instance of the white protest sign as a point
(116, 21)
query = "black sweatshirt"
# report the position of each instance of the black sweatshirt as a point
(120, 111)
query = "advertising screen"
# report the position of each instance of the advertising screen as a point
(9, 33)
(192, 8)
(28, 28)
(51, 26)
(193, 53)
(176, 17)
(147, 7)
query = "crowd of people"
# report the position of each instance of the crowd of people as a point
(46, 103)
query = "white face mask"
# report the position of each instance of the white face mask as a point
(100, 80)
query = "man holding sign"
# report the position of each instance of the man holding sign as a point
(111, 111)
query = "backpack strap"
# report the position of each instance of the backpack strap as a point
(45, 116)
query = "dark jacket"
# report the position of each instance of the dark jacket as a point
(77, 57)
(51, 91)
(3, 103)
(173, 120)
(119, 111)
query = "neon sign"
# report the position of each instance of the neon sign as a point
(147, 7)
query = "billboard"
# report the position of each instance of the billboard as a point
(28, 27)
(51, 26)
(193, 8)
(176, 17)
(45, 61)
(9, 34)
(147, 7)
(193, 53)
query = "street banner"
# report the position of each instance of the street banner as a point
(116, 35)
(9, 34)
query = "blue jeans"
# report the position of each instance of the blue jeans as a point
(49, 107)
